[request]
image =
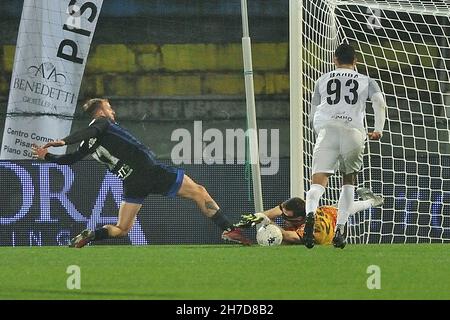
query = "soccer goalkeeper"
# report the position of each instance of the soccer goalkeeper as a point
(293, 214)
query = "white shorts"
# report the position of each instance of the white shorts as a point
(338, 148)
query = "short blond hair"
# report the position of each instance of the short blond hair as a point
(91, 105)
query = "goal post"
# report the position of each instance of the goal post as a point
(252, 128)
(297, 186)
(405, 46)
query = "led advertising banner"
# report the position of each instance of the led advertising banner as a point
(45, 204)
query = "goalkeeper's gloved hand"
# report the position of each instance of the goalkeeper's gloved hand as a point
(248, 220)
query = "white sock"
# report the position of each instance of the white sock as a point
(345, 203)
(360, 206)
(312, 197)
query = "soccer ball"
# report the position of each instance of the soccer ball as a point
(269, 235)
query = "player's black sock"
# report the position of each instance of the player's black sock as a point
(340, 228)
(101, 233)
(220, 219)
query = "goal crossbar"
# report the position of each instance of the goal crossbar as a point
(416, 7)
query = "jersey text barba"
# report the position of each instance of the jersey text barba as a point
(343, 74)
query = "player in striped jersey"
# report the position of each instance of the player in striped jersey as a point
(136, 165)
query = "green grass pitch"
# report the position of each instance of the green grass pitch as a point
(222, 272)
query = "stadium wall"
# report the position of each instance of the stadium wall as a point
(46, 204)
(148, 70)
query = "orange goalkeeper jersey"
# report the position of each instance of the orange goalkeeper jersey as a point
(323, 227)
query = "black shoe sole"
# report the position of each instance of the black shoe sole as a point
(339, 243)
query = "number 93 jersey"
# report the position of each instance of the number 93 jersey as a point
(340, 99)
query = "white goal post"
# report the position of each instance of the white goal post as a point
(405, 46)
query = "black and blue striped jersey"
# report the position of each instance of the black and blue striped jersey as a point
(110, 144)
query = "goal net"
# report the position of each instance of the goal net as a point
(403, 45)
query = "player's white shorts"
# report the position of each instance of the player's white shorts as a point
(338, 147)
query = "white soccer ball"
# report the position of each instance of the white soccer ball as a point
(269, 235)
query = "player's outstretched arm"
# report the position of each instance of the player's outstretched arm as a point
(39, 152)
(248, 220)
(69, 158)
(56, 143)
(273, 213)
(96, 128)
(291, 237)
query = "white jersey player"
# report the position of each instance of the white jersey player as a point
(337, 114)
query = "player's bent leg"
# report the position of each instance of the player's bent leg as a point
(349, 179)
(127, 216)
(196, 192)
(368, 195)
(369, 200)
(193, 191)
(346, 200)
(351, 160)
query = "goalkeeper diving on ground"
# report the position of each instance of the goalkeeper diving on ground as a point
(292, 213)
